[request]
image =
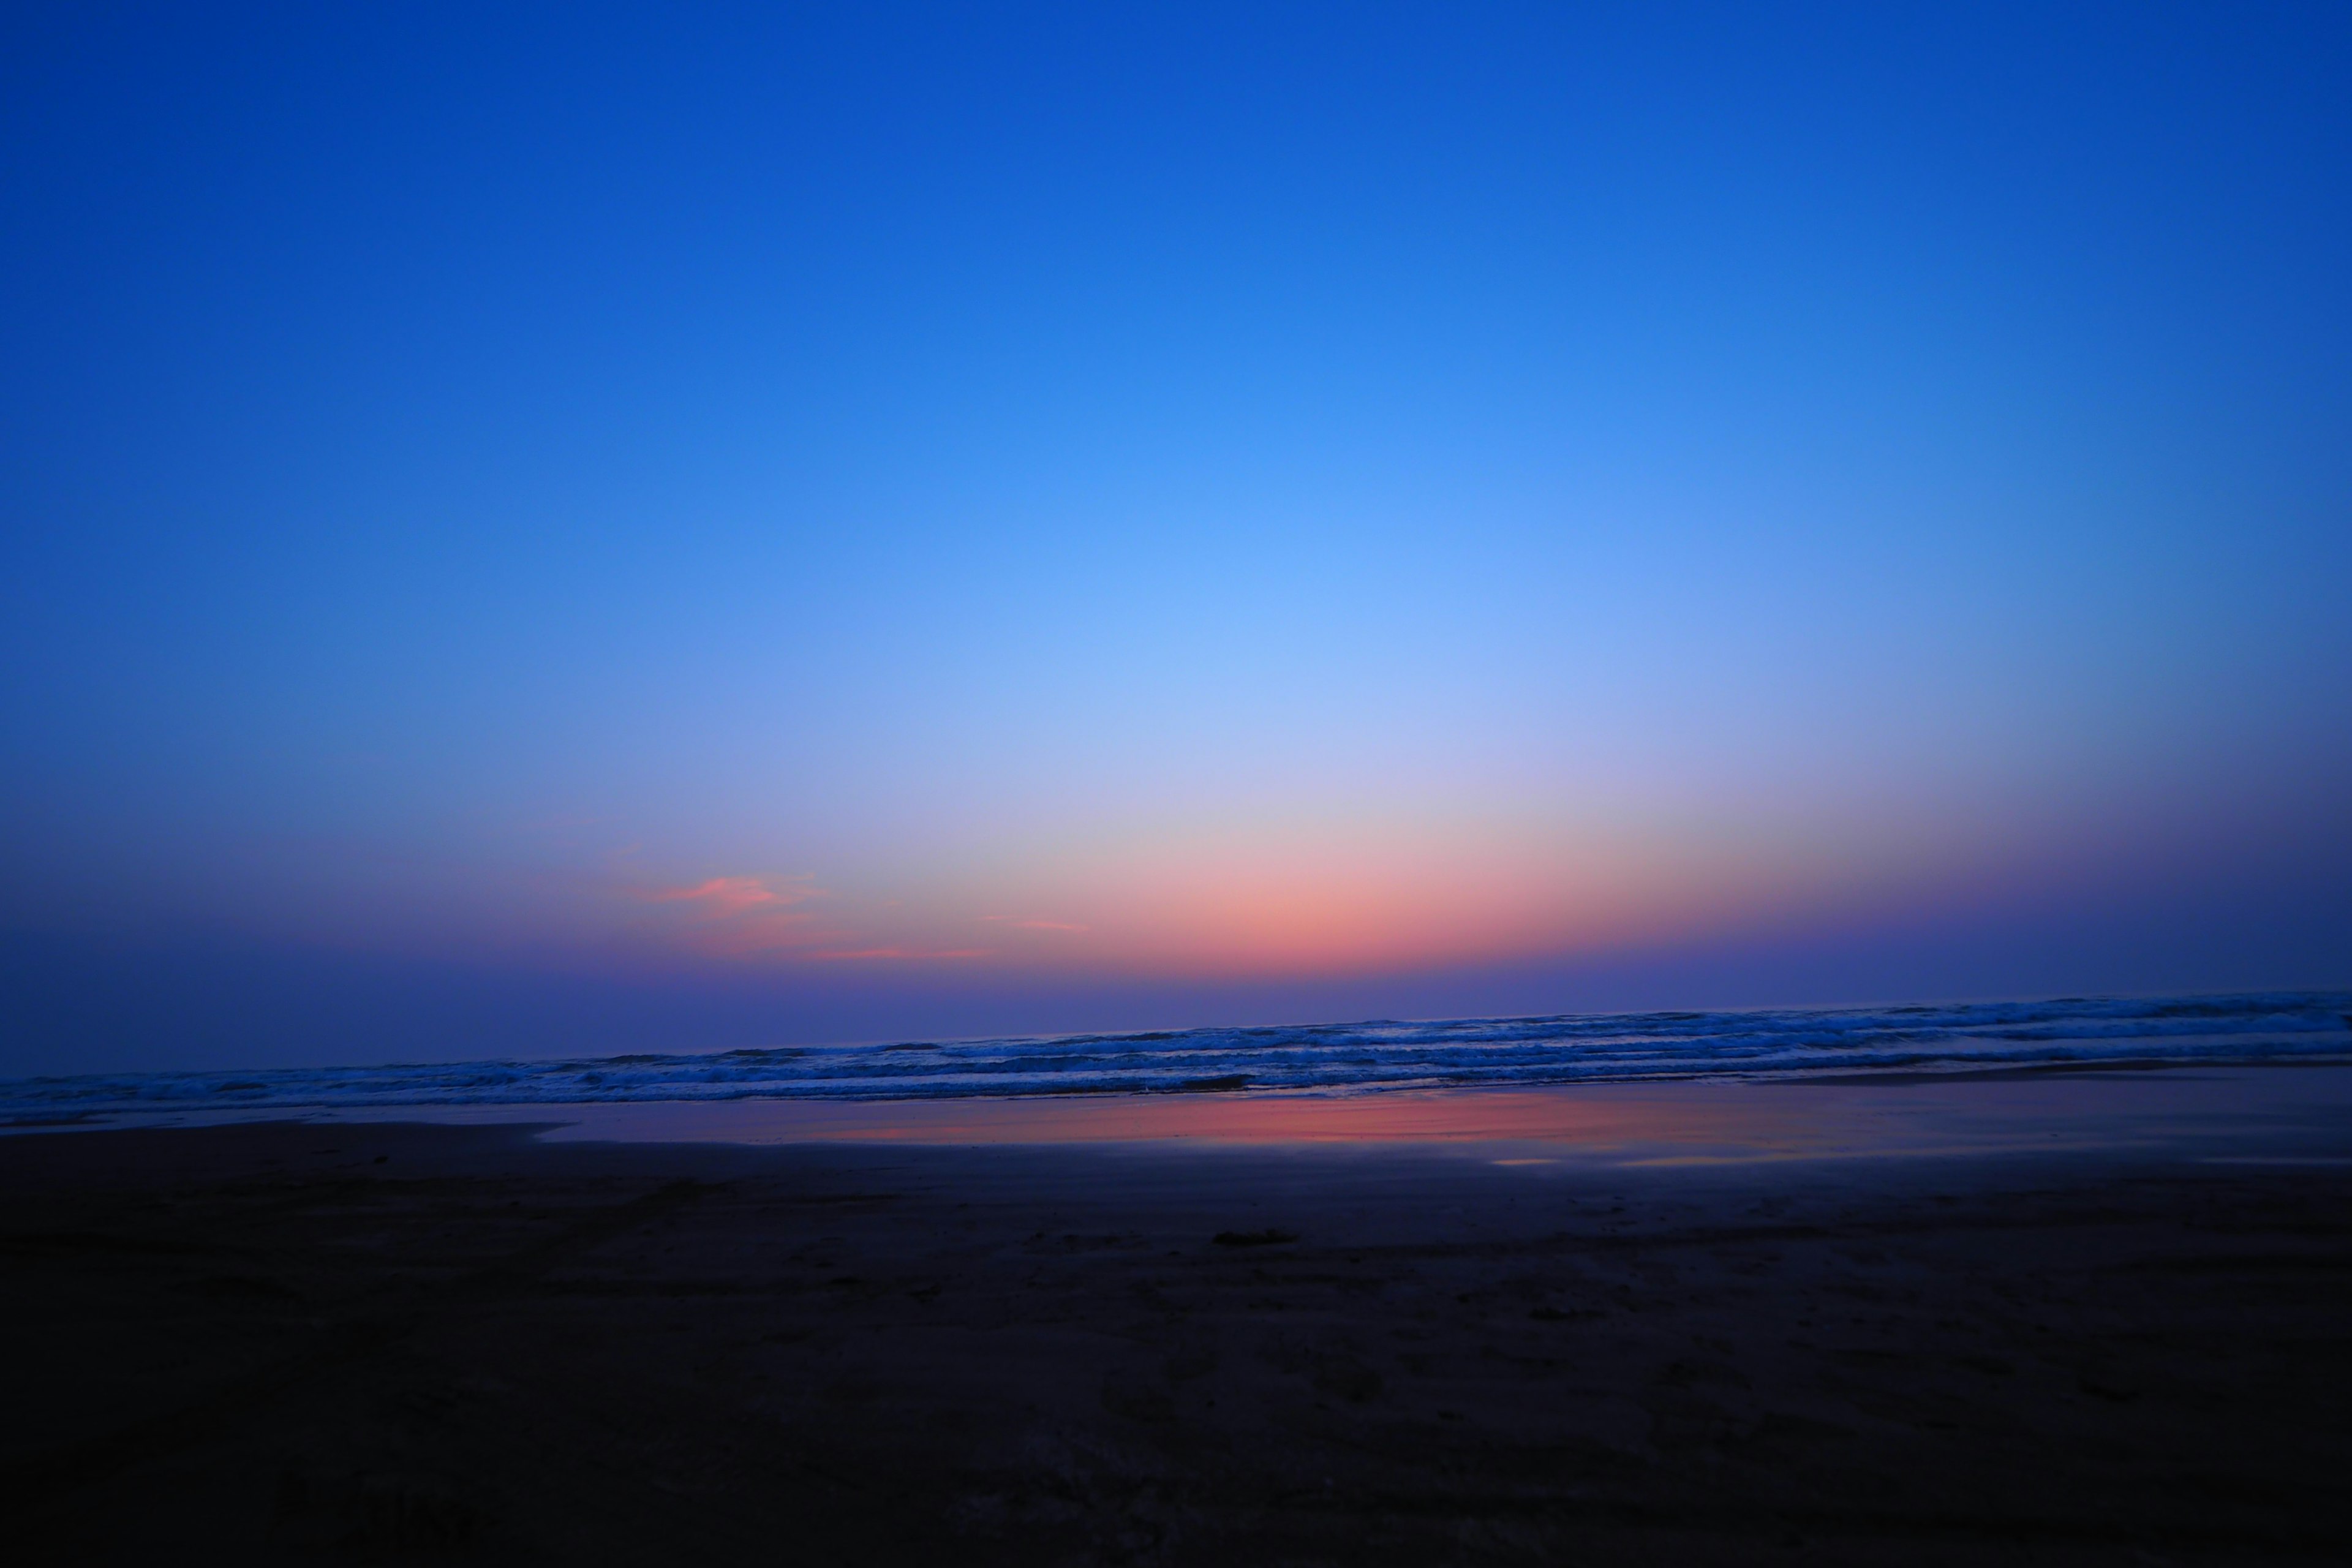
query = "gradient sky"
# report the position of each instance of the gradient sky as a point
(535, 529)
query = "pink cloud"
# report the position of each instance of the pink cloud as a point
(752, 917)
(740, 917)
(902, 953)
(722, 897)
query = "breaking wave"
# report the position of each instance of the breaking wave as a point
(1323, 1058)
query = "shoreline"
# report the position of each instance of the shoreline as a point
(1958, 1040)
(2216, 1110)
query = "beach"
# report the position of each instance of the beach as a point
(375, 1341)
(1176, 786)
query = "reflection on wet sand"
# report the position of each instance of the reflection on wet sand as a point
(2206, 1111)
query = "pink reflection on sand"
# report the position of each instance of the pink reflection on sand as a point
(1585, 1117)
(1646, 1124)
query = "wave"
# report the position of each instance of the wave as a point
(1322, 1059)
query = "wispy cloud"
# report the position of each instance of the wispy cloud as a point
(901, 952)
(722, 897)
(1033, 925)
(754, 917)
(741, 917)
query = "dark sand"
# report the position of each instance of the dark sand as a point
(412, 1342)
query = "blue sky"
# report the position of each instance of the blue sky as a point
(534, 526)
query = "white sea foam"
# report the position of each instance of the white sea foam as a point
(1325, 1058)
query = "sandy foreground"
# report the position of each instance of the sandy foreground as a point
(386, 1342)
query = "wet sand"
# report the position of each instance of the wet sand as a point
(383, 1342)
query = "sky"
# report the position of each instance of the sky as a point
(528, 531)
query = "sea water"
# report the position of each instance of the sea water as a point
(1321, 1059)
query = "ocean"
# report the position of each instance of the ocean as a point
(1322, 1059)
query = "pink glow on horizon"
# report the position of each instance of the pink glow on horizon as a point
(1310, 895)
(1336, 898)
